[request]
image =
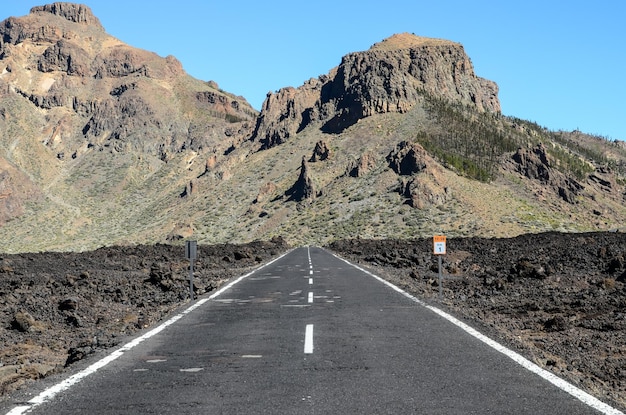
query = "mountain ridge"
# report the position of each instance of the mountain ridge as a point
(119, 146)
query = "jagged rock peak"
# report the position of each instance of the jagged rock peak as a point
(303, 187)
(321, 152)
(408, 41)
(77, 13)
(392, 76)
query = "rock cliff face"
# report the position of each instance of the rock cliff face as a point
(76, 13)
(118, 98)
(16, 30)
(535, 164)
(103, 144)
(391, 76)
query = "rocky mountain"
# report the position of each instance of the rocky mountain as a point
(391, 76)
(105, 144)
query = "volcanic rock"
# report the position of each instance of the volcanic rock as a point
(362, 166)
(265, 192)
(60, 57)
(391, 76)
(535, 164)
(68, 304)
(25, 322)
(303, 187)
(65, 57)
(189, 189)
(407, 158)
(321, 152)
(422, 191)
(77, 13)
(422, 188)
(286, 113)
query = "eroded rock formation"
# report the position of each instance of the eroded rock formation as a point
(407, 158)
(321, 152)
(303, 187)
(362, 166)
(77, 13)
(390, 77)
(419, 183)
(535, 164)
(120, 98)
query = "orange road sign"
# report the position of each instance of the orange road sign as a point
(439, 245)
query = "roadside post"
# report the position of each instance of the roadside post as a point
(439, 249)
(191, 253)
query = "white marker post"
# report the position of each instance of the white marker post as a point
(439, 249)
(191, 253)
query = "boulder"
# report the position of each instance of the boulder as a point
(362, 166)
(321, 152)
(25, 322)
(407, 158)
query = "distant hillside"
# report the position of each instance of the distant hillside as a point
(102, 144)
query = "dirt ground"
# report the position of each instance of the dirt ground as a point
(558, 299)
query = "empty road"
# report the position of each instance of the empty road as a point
(308, 334)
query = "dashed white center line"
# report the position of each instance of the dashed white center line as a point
(310, 297)
(192, 369)
(308, 339)
(310, 281)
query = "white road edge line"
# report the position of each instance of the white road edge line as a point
(308, 339)
(579, 394)
(52, 391)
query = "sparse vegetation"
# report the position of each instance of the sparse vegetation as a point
(473, 143)
(469, 142)
(121, 178)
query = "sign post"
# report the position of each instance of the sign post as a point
(191, 253)
(439, 249)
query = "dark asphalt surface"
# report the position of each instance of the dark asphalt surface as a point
(374, 351)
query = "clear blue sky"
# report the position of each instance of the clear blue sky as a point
(561, 64)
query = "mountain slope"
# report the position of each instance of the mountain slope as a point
(103, 144)
(92, 122)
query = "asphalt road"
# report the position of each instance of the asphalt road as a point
(310, 334)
